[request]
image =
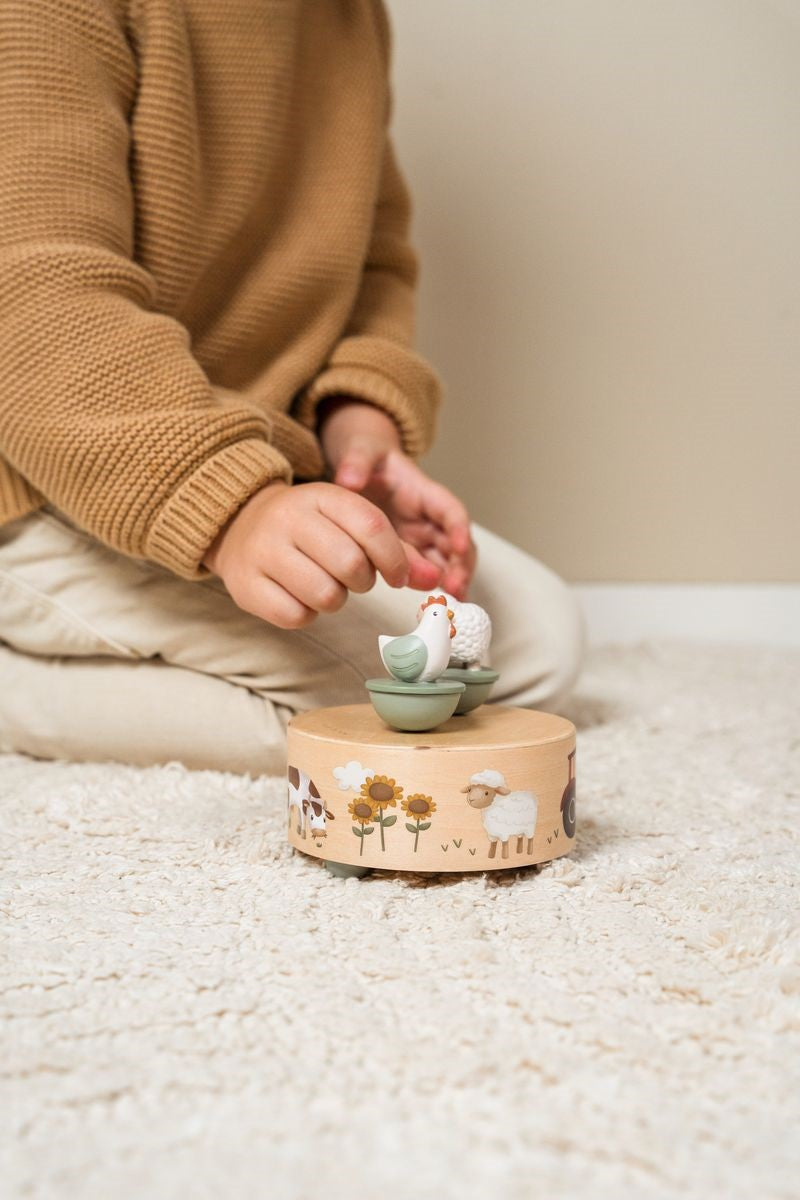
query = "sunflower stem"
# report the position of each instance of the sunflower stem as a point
(416, 836)
(380, 822)
(361, 847)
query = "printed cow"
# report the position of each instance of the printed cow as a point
(311, 811)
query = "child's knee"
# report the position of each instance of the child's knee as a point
(555, 638)
(566, 633)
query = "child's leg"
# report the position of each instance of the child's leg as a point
(538, 637)
(145, 712)
(110, 658)
(103, 657)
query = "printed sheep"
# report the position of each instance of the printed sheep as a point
(470, 646)
(506, 814)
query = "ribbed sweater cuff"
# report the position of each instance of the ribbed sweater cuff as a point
(17, 497)
(385, 374)
(194, 514)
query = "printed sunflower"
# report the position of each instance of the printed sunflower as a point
(381, 790)
(363, 811)
(383, 793)
(419, 808)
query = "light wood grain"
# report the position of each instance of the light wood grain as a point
(491, 725)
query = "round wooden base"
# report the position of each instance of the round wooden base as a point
(491, 790)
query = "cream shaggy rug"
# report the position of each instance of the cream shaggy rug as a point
(191, 1010)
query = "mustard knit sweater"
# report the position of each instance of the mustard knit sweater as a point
(203, 232)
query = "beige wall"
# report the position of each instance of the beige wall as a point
(607, 200)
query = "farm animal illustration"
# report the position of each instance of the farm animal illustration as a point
(568, 799)
(317, 815)
(470, 646)
(505, 814)
(421, 656)
(311, 811)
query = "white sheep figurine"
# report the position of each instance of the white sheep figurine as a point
(506, 814)
(470, 646)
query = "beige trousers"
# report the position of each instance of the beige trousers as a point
(107, 657)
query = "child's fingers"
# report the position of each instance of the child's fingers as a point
(433, 555)
(337, 553)
(425, 535)
(357, 465)
(423, 573)
(449, 513)
(270, 601)
(422, 532)
(455, 581)
(373, 531)
(459, 572)
(436, 546)
(309, 583)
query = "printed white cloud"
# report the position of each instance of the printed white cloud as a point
(351, 775)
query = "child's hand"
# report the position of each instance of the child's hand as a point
(292, 552)
(362, 446)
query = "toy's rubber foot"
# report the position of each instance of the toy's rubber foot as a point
(346, 871)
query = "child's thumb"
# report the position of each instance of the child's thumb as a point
(422, 573)
(356, 467)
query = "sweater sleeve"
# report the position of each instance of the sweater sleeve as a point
(103, 409)
(373, 360)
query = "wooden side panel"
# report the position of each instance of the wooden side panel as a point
(398, 801)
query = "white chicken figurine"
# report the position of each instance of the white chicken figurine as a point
(421, 656)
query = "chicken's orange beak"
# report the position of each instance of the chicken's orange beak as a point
(450, 615)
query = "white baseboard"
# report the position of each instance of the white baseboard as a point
(765, 613)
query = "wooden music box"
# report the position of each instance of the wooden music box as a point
(417, 789)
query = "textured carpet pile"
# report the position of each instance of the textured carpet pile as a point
(189, 1009)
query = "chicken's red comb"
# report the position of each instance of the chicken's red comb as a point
(433, 600)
